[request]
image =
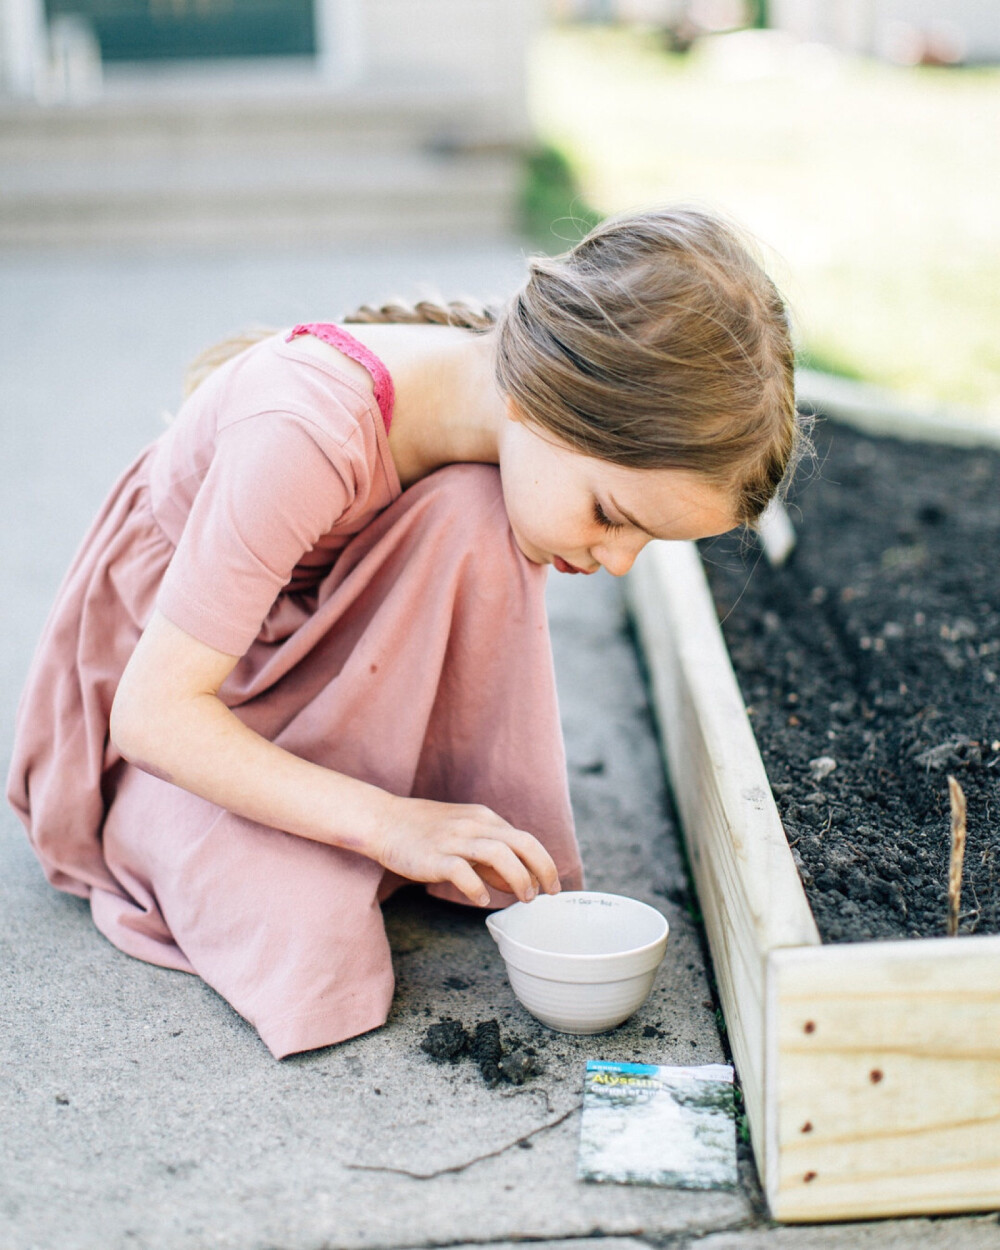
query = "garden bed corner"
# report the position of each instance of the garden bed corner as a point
(870, 1070)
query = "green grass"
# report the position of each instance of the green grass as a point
(875, 188)
(554, 214)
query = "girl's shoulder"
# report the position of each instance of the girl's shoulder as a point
(300, 404)
(333, 358)
(304, 377)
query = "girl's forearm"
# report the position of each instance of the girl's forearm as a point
(203, 747)
(167, 719)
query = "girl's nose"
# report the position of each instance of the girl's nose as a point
(619, 557)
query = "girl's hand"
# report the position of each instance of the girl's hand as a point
(463, 843)
(167, 719)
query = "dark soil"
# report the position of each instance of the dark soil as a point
(450, 1041)
(870, 665)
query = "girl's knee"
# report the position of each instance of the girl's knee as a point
(466, 490)
(463, 518)
(467, 500)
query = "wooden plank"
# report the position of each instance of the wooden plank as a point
(871, 1070)
(883, 1078)
(876, 410)
(749, 889)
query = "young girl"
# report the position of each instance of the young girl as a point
(301, 657)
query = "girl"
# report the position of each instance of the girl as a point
(301, 658)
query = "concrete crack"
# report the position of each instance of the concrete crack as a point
(460, 1167)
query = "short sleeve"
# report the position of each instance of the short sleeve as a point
(276, 484)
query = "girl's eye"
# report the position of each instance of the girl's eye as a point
(602, 518)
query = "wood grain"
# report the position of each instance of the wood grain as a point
(870, 1071)
(749, 889)
(884, 1078)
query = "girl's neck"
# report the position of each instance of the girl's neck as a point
(448, 408)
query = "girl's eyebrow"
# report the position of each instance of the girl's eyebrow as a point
(628, 516)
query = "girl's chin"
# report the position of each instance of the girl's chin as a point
(531, 552)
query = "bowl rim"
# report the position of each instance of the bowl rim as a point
(569, 955)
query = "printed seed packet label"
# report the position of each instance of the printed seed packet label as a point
(649, 1124)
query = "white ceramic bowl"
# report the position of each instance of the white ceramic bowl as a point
(579, 961)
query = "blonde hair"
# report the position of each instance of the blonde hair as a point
(658, 341)
(211, 358)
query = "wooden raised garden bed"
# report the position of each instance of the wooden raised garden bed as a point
(870, 1070)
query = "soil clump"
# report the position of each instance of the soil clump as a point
(450, 1041)
(870, 666)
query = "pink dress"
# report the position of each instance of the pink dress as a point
(397, 637)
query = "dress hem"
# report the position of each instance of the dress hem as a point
(339, 1020)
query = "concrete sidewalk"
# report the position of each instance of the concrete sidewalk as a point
(140, 1112)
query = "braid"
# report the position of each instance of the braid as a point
(465, 313)
(208, 361)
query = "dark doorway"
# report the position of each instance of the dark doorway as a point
(145, 30)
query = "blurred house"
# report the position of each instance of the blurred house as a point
(702, 16)
(908, 32)
(262, 119)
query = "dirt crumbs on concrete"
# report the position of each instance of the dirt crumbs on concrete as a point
(450, 1041)
(870, 665)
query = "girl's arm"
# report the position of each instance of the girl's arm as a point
(168, 720)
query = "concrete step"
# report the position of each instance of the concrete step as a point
(262, 157)
(226, 198)
(126, 123)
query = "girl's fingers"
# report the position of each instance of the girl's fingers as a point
(491, 854)
(493, 878)
(465, 878)
(501, 881)
(499, 856)
(537, 859)
(450, 842)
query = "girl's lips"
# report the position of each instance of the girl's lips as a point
(563, 567)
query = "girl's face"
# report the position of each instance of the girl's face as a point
(580, 514)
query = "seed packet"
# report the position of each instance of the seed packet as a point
(649, 1124)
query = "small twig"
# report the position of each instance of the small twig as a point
(460, 1167)
(974, 914)
(529, 1093)
(957, 798)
